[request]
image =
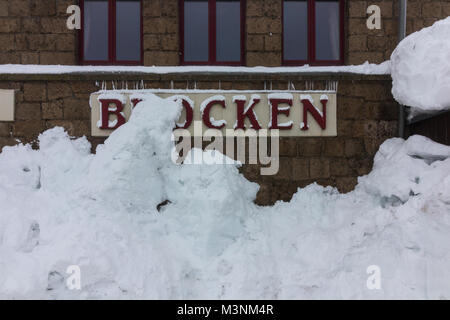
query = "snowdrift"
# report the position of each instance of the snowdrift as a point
(108, 214)
(420, 69)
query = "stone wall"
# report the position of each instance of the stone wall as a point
(366, 117)
(377, 45)
(34, 31)
(161, 33)
(264, 32)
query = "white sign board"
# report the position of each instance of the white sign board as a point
(293, 113)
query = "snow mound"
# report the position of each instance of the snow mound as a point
(404, 169)
(63, 206)
(139, 226)
(420, 69)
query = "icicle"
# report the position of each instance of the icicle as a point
(309, 85)
(331, 85)
(171, 85)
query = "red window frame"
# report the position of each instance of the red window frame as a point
(312, 38)
(212, 60)
(111, 38)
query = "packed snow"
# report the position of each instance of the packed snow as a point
(420, 69)
(365, 68)
(140, 226)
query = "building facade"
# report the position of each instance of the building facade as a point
(245, 33)
(35, 32)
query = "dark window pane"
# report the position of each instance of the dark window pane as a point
(128, 30)
(327, 30)
(295, 24)
(95, 30)
(228, 18)
(196, 31)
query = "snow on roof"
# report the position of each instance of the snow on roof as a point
(366, 68)
(421, 69)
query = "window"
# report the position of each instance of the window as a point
(313, 32)
(212, 32)
(111, 32)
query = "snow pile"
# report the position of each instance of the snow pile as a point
(139, 226)
(412, 164)
(420, 68)
(101, 212)
(321, 243)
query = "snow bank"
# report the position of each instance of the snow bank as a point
(421, 68)
(365, 68)
(402, 169)
(101, 212)
(141, 227)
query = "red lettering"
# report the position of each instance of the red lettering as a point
(320, 118)
(249, 113)
(107, 112)
(189, 114)
(207, 110)
(275, 111)
(135, 101)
